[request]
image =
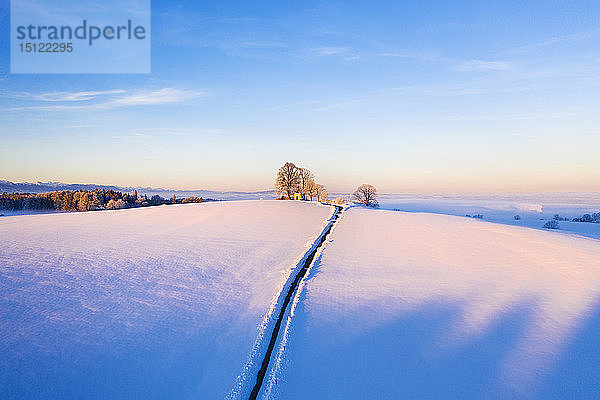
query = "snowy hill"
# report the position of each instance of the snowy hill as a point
(424, 306)
(180, 301)
(533, 209)
(160, 302)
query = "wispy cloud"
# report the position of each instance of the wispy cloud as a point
(183, 131)
(109, 99)
(387, 95)
(573, 37)
(343, 52)
(410, 56)
(340, 104)
(483, 65)
(157, 133)
(330, 50)
(67, 96)
(233, 35)
(516, 117)
(57, 107)
(473, 65)
(192, 132)
(161, 96)
(138, 136)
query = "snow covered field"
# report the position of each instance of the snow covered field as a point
(179, 302)
(533, 208)
(159, 302)
(425, 306)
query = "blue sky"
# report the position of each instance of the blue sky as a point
(447, 96)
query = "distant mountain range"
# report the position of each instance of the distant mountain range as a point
(43, 187)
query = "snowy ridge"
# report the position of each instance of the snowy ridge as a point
(276, 367)
(246, 379)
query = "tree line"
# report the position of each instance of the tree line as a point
(85, 200)
(594, 217)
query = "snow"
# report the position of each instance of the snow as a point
(9, 213)
(179, 301)
(426, 306)
(533, 208)
(158, 302)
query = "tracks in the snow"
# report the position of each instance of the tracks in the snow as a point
(290, 294)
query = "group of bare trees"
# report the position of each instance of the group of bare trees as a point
(292, 179)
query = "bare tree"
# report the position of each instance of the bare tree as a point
(315, 190)
(288, 180)
(116, 204)
(321, 192)
(367, 195)
(311, 189)
(305, 180)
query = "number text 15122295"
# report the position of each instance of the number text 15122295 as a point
(50, 47)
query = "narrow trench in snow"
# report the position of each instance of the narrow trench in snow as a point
(265, 363)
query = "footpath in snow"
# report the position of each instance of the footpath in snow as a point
(159, 302)
(424, 306)
(288, 305)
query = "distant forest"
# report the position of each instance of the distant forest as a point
(85, 200)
